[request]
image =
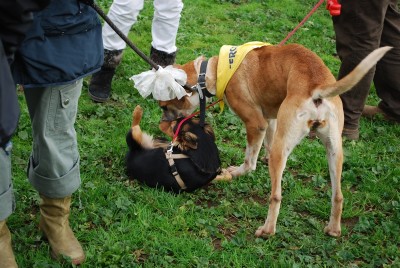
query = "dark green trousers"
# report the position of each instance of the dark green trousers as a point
(363, 26)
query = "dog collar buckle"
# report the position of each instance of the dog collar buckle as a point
(200, 91)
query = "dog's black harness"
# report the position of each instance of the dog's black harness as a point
(202, 90)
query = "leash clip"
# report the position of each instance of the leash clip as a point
(170, 149)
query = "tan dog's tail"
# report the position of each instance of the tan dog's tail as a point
(350, 80)
(137, 115)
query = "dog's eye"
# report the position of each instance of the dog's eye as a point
(164, 108)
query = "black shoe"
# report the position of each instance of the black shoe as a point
(100, 85)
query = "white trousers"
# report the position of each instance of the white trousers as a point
(124, 13)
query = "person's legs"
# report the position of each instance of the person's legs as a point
(387, 79)
(7, 202)
(123, 13)
(358, 30)
(54, 163)
(7, 206)
(167, 14)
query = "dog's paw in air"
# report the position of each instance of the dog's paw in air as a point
(137, 115)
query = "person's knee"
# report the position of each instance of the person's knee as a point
(168, 9)
(125, 10)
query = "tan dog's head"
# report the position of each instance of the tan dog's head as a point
(175, 109)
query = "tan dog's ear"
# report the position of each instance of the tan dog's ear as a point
(197, 63)
(187, 141)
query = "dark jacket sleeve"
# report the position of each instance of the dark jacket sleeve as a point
(15, 19)
(63, 45)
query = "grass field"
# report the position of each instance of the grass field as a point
(123, 224)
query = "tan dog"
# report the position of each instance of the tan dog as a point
(281, 93)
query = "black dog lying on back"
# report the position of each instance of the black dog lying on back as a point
(193, 162)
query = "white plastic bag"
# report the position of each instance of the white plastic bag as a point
(164, 84)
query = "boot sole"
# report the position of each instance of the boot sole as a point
(97, 99)
(76, 261)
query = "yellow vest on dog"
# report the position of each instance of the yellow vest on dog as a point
(230, 58)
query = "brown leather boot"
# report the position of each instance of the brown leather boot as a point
(351, 134)
(100, 83)
(373, 111)
(7, 259)
(55, 226)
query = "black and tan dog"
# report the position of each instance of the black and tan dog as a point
(192, 163)
(280, 93)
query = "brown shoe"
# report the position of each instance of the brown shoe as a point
(7, 259)
(54, 222)
(372, 111)
(351, 134)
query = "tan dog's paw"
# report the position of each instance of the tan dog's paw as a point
(224, 176)
(236, 171)
(137, 115)
(332, 231)
(265, 231)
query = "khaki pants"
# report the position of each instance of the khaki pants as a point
(7, 203)
(363, 26)
(54, 162)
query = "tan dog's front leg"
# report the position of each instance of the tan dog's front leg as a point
(269, 139)
(255, 135)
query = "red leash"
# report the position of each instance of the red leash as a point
(332, 5)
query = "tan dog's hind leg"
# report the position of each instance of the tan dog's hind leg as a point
(255, 131)
(290, 130)
(333, 144)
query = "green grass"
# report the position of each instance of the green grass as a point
(122, 224)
